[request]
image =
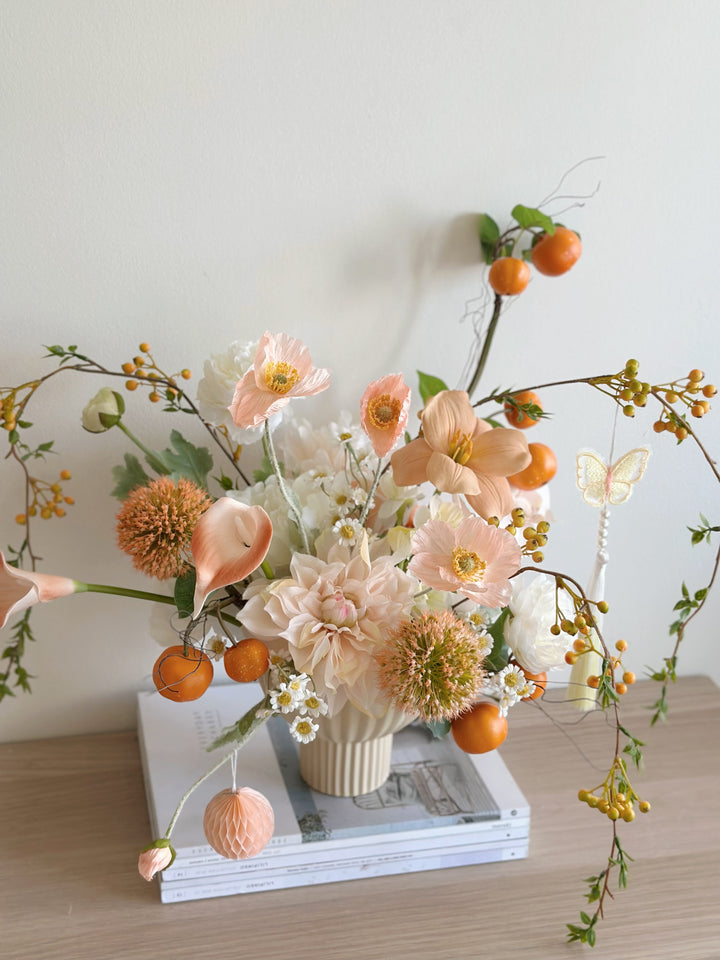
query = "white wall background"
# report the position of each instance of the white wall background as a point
(190, 173)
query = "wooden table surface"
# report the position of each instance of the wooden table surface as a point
(73, 819)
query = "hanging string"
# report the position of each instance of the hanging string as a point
(233, 768)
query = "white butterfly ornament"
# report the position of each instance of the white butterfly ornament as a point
(601, 483)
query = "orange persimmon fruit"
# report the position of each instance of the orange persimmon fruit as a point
(180, 675)
(555, 253)
(516, 418)
(480, 729)
(247, 660)
(509, 276)
(541, 469)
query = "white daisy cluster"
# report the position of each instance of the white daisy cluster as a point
(477, 623)
(508, 686)
(297, 695)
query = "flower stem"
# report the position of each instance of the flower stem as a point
(81, 587)
(152, 458)
(371, 494)
(497, 310)
(292, 507)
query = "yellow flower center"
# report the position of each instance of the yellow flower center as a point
(384, 411)
(312, 703)
(280, 376)
(467, 565)
(460, 447)
(304, 728)
(284, 699)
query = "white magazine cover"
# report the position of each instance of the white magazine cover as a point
(433, 789)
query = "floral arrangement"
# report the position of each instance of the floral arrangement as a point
(365, 562)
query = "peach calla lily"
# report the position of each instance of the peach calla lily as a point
(230, 540)
(282, 370)
(20, 589)
(460, 453)
(384, 412)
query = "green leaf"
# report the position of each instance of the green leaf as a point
(439, 728)
(489, 233)
(224, 482)
(128, 477)
(184, 593)
(187, 460)
(245, 726)
(500, 653)
(265, 470)
(429, 385)
(529, 217)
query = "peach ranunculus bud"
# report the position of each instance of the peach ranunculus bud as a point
(282, 370)
(20, 589)
(229, 542)
(384, 412)
(238, 823)
(159, 855)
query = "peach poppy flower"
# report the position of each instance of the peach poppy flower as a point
(473, 559)
(282, 370)
(20, 589)
(460, 453)
(230, 540)
(384, 412)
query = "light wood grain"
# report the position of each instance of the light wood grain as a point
(73, 819)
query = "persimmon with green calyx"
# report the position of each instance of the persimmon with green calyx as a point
(555, 253)
(182, 675)
(521, 418)
(509, 276)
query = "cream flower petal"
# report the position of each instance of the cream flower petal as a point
(409, 464)
(229, 542)
(20, 589)
(449, 476)
(446, 414)
(495, 498)
(500, 452)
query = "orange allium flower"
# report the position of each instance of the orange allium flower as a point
(156, 523)
(432, 666)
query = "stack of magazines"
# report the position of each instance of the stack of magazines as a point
(439, 808)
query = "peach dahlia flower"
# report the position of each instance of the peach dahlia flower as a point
(334, 615)
(460, 453)
(473, 559)
(384, 412)
(282, 370)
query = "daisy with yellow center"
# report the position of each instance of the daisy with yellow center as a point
(473, 559)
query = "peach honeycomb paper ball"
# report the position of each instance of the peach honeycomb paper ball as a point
(238, 823)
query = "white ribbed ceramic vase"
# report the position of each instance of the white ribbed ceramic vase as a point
(351, 753)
